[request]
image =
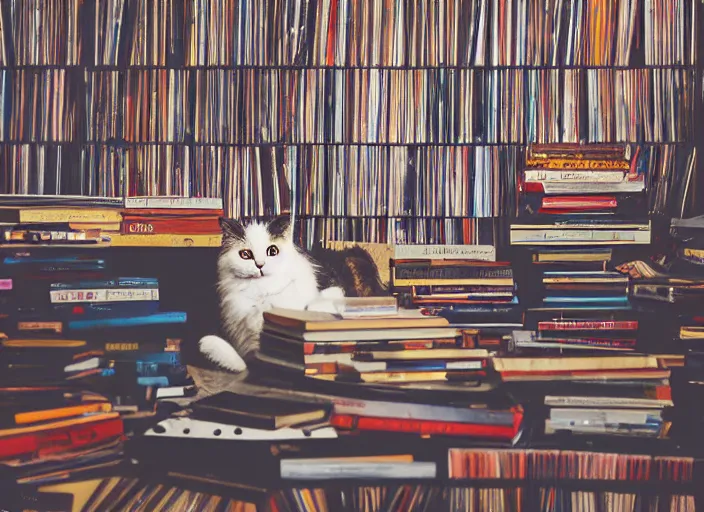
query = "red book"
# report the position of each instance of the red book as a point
(579, 202)
(172, 225)
(68, 435)
(428, 427)
(589, 325)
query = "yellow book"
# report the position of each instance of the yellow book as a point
(42, 343)
(165, 240)
(42, 214)
(103, 226)
(81, 491)
(61, 412)
(571, 163)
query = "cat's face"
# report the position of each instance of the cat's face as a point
(258, 249)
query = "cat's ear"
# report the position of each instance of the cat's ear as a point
(280, 227)
(232, 228)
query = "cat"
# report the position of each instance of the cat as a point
(260, 267)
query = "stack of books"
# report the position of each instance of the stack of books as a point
(463, 284)
(67, 325)
(166, 221)
(612, 395)
(404, 348)
(134, 347)
(417, 360)
(574, 194)
(37, 404)
(58, 224)
(142, 221)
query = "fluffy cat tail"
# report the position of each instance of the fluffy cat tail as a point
(221, 353)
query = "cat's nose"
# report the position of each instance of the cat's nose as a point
(259, 265)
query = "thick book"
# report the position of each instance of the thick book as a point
(539, 364)
(258, 411)
(429, 427)
(44, 214)
(364, 333)
(302, 321)
(158, 224)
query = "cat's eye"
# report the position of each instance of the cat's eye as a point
(246, 254)
(272, 250)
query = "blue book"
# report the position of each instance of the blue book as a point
(172, 317)
(120, 282)
(9, 260)
(161, 382)
(92, 310)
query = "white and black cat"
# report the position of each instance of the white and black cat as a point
(260, 267)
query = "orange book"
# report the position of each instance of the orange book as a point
(61, 412)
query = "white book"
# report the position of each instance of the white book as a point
(420, 412)
(553, 188)
(563, 176)
(443, 252)
(322, 469)
(103, 295)
(579, 236)
(606, 401)
(591, 416)
(191, 203)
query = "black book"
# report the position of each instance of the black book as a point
(263, 412)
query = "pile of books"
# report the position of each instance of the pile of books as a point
(417, 360)
(613, 395)
(83, 355)
(463, 284)
(129, 222)
(403, 348)
(60, 223)
(574, 194)
(580, 205)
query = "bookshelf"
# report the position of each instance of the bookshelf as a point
(373, 121)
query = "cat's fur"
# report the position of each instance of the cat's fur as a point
(253, 278)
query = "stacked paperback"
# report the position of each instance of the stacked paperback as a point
(129, 222)
(466, 286)
(581, 194)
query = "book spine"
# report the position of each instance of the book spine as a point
(166, 240)
(402, 272)
(195, 203)
(55, 327)
(422, 427)
(62, 216)
(170, 226)
(578, 176)
(123, 282)
(469, 252)
(106, 310)
(104, 295)
(351, 407)
(72, 437)
(570, 163)
(579, 325)
(158, 319)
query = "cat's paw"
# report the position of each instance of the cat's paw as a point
(221, 353)
(334, 292)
